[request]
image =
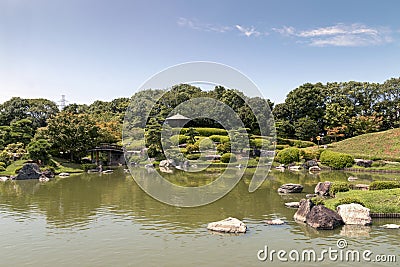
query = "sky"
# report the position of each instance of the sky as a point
(99, 50)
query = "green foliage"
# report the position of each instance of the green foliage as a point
(2, 168)
(191, 148)
(318, 201)
(205, 144)
(194, 156)
(339, 187)
(88, 166)
(39, 151)
(295, 143)
(191, 134)
(336, 160)
(288, 155)
(280, 147)
(224, 148)
(5, 157)
(347, 200)
(306, 128)
(310, 153)
(179, 139)
(228, 157)
(219, 138)
(380, 185)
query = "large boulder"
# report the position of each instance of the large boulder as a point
(363, 163)
(305, 207)
(29, 171)
(322, 188)
(320, 217)
(229, 225)
(354, 214)
(167, 163)
(290, 188)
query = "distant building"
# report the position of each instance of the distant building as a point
(177, 120)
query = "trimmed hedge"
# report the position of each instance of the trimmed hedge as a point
(288, 155)
(182, 139)
(219, 138)
(295, 143)
(225, 158)
(336, 160)
(259, 142)
(88, 166)
(338, 187)
(206, 131)
(348, 200)
(310, 153)
(381, 185)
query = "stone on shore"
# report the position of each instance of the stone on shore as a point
(228, 225)
(29, 171)
(354, 214)
(167, 163)
(305, 207)
(322, 218)
(311, 195)
(391, 226)
(290, 188)
(294, 205)
(322, 188)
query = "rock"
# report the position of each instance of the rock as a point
(292, 204)
(361, 187)
(363, 163)
(322, 188)
(391, 226)
(294, 168)
(354, 214)
(167, 163)
(166, 170)
(305, 207)
(274, 222)
(310, 163)
(290, 188)
(63, 174)
(320, 217)
(29, 171)
(44, 179)
(314, 169)
(229, 225)
(352, 178)
(3, 178)
(311, 195)
(48, 174)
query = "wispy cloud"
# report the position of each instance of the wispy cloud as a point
(248, 31)
(196, 25)
(340, 35)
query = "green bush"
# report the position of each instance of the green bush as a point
(288, 155)
(88, 166)
(348, 200)
(2, 168)
(219, 138)
(378, 164)
(18, 169)
(380, 185)
(259, 142)
(318, 201)
(296, 143)
(336, 160)
(339, 187)
(224, 148)
(3, 164)
(39, 151)
(280, 147)
(194, 156)
(206, 131)
(310, 153)
(179, 139)
(205, 143)
(192, 148)
(225, 158)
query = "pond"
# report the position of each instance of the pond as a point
(107, 220)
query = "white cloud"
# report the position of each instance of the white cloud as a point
(248, 31)
(196, 25)
(340, 35)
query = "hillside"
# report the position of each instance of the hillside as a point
(381, 145)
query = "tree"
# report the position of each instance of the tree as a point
(21, 131)
(306, 128)
(39, 151)
(13, 110)
(72, 134)
(40, 110)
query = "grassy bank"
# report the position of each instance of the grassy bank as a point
(61, 166)
(378, 201)
(381, 145)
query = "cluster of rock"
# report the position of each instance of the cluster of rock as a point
(228, 225)
(320, 217)
(363, 163)
(290, 188)
(32, 171)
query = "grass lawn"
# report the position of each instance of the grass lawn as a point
(385, 201)
(380, 145)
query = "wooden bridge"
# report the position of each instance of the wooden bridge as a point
(115, 154)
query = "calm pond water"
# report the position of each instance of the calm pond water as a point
(107, 220)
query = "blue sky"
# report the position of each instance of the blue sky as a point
(91, 50)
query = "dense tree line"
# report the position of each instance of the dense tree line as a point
(339, 110)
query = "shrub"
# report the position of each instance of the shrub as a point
(296, 143)
(259, 142)
(39, 151)
(205, 143)
(228, 157)
(318, 201)
(88, 166)
(195, 156)
(288, 155)
(2, 168)
(2, 164)
(219, 138)
(336, 160)
(224, 148)
(378, 164)
(179, 139)
(192, 148)
(348, 200)
(310, 153)
(280, 147)
(206, 131)
(339, 187)
(380, 185)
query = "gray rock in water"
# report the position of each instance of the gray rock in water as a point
(391, 226)
(290, 188)
(311, 195)
(292, 204)
(274, 222)
(305, 207)
(229, 225)
(167, 163)
(29, 171)
(354, 214)
(320, 217)
(323, 188)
